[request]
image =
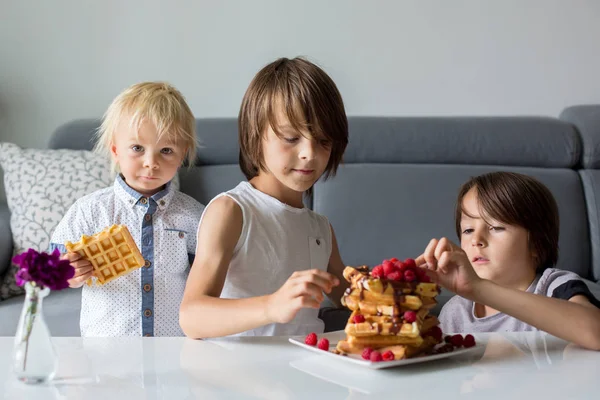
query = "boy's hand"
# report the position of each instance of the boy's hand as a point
(83, 269)
(449, 266)
(304, 289)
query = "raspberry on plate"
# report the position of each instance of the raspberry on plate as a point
(323, 344)
(311, 339)
(388, 356)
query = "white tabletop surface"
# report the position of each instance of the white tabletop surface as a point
(507, 366)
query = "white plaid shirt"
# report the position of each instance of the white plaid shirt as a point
(145, 301)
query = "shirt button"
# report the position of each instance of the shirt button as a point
(181, 235)
(318, 242)
(147, 312)
(144, 200)
(148, 217)
(162, 202)
(147, 287)
(147, 264)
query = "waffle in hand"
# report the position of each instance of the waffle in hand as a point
(112, 253)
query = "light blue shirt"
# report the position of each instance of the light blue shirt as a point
(145, 301)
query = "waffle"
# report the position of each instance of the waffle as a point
(381, 309)
(112, 253)
(401, 351)
(385, 325)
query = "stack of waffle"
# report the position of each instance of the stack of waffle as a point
(112, 253)
(390, 310)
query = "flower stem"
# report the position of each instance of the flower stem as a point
(29, 319)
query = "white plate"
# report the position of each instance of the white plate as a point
(358, 360)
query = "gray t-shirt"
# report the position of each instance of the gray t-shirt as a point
(458, 314)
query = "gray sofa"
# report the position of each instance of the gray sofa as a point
(396, 188)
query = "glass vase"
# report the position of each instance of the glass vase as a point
(34, 358)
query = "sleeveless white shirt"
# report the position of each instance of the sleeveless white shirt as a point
(275, 241)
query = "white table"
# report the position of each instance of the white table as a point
(527, 365)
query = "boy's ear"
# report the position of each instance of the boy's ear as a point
(113, 150)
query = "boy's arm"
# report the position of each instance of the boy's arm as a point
(71, 227)
(336, 268)
(203, 314)
(575, 320)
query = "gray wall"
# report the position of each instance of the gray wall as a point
(65, 59)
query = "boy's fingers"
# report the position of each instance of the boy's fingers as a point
(442, 246)
(71, 256)
(420, 261)
(83, 271)
(429, 255)
(81, 264)
(79, 280)
(319, 277)
(307, 288)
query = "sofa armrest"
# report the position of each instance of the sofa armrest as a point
(6, 244)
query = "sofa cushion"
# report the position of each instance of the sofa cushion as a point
(40, 187)
(383, 211)
(205, 182)
(516, 141)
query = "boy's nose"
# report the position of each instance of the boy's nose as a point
(150, 162)
(308, 149)
(477, 240)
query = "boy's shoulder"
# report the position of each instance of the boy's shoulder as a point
(456, 302)
(95, 198)
(551, 278)
(186, 200)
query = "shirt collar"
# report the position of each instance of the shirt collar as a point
(133, 198)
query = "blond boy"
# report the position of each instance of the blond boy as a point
(148, 131)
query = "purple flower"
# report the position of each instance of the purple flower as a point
(46, 270)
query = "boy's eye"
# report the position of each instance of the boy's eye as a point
(467, 231)
(325, 143)
(291, 139)
(166, 150)
(137, 148)
(496, 228)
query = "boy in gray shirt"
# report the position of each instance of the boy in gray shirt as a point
(508, 228)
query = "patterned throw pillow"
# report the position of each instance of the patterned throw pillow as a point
(40, 187)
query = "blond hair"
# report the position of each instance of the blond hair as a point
(155, 102)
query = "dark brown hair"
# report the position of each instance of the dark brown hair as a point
(311, 102)
(520, 200)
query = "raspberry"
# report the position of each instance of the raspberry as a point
(436, 333)
(447, 348)
(376, 356)
(409, 275)
(311, 339)
(388, 356)
(323, 344)
(410, 316)
(377, 272)
(359, 318)
(400, 266)
(456, 340)
(394, 260)
(410, 263)
(426, 279)
(366, 354)
(447, 338)
(394, 276)
(388, 268)
(469, 341)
